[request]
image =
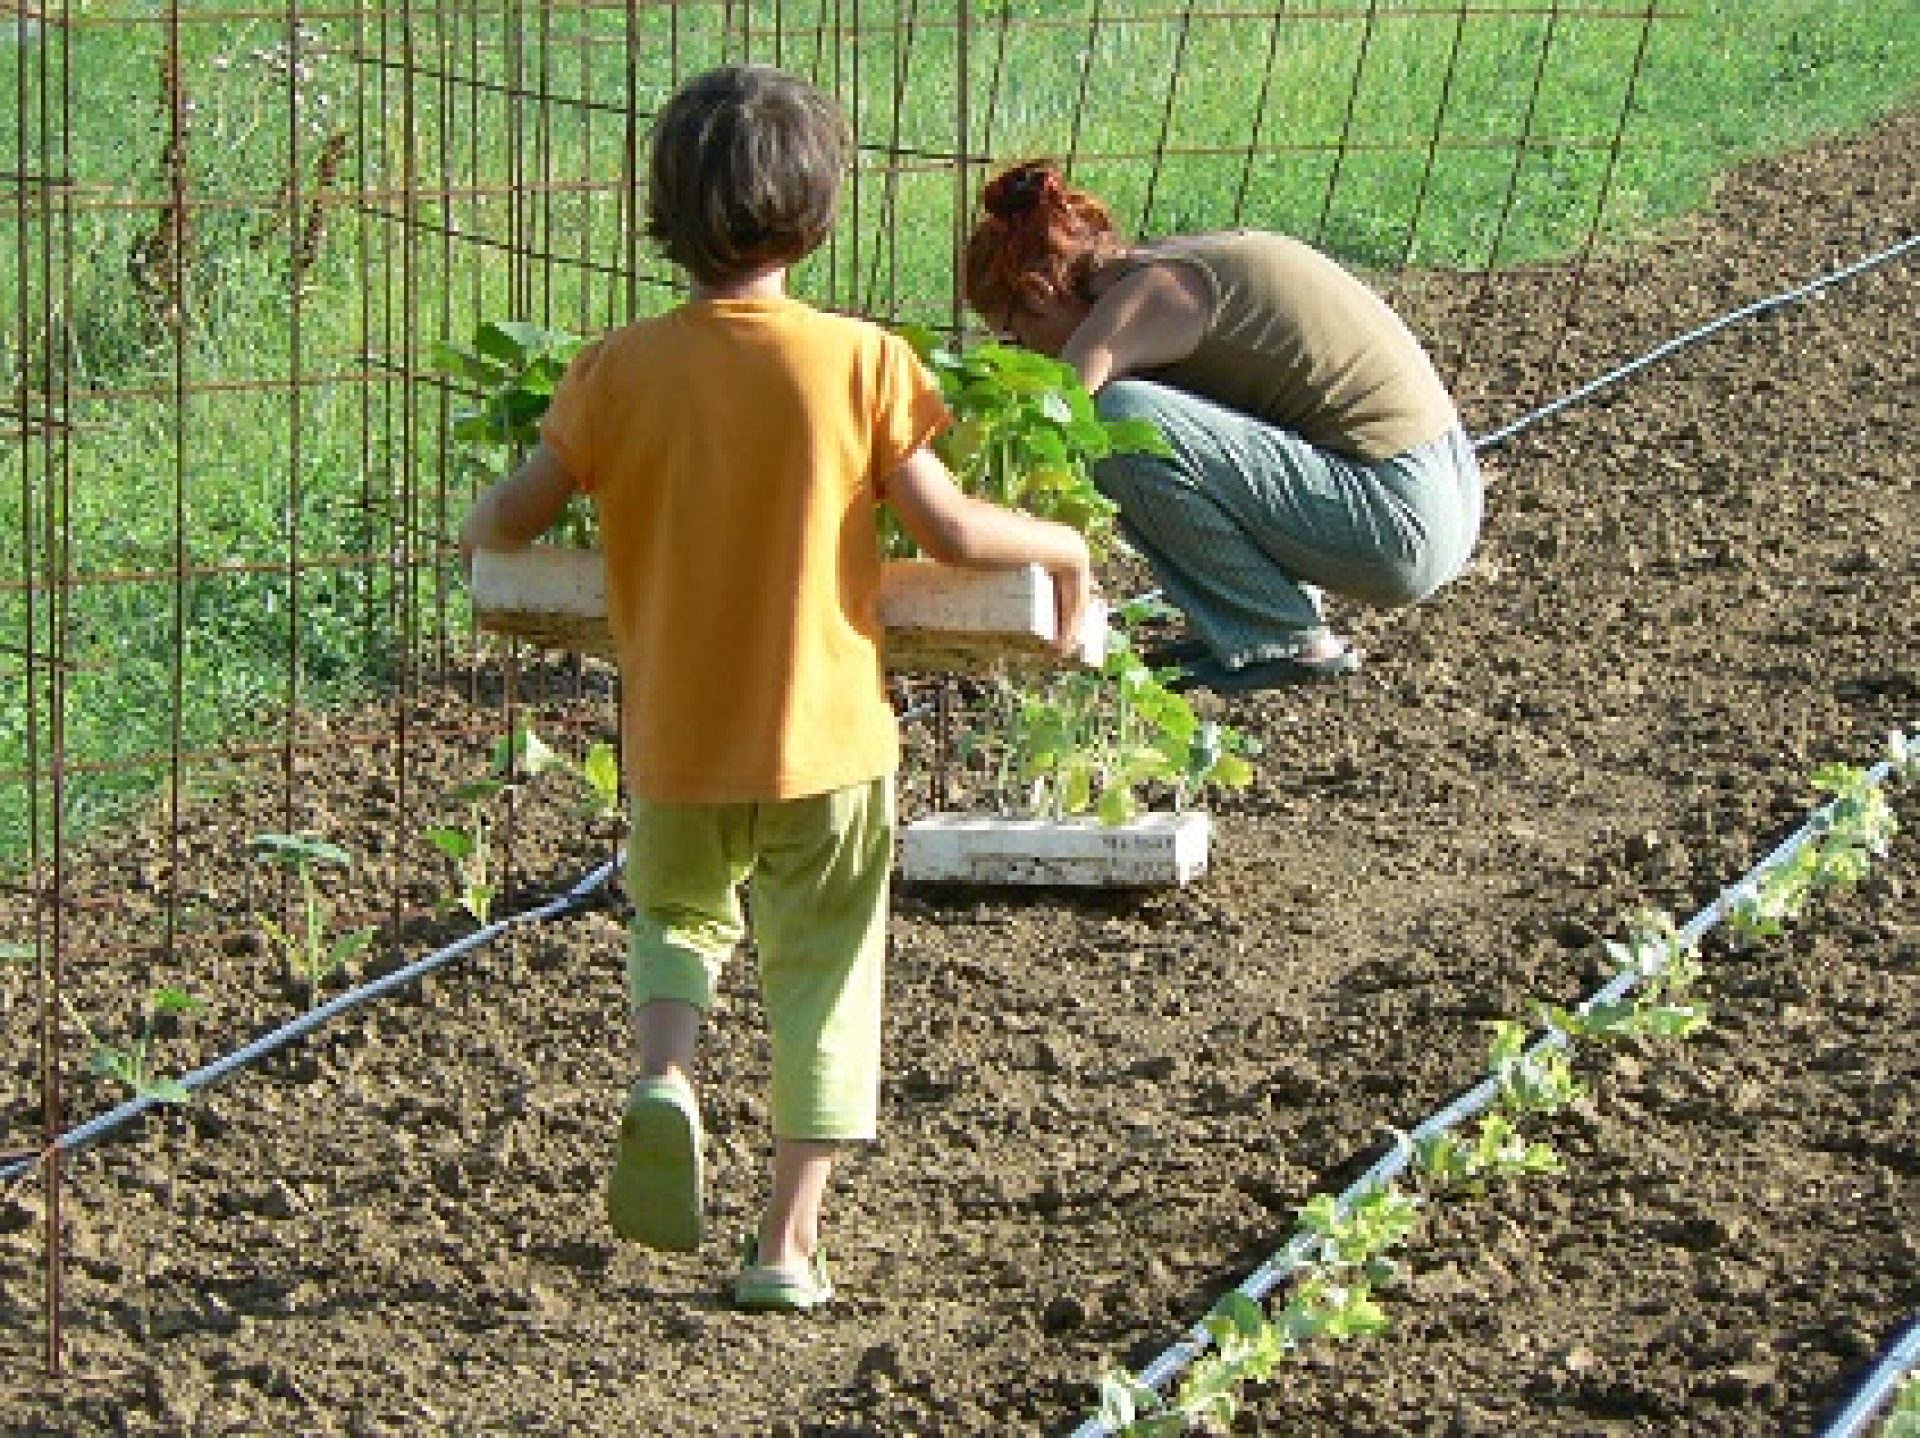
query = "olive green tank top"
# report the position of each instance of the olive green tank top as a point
(1296, 340)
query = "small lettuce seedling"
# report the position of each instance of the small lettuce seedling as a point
(310, 956)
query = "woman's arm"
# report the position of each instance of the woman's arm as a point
(1153, 316)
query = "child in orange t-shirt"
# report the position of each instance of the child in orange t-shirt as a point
(735, 448)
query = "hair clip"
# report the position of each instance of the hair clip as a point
(1018, 191)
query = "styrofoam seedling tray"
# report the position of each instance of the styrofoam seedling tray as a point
(938, 617)
(1153, 850)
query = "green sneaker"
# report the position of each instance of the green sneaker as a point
(763, 1288)
(655, 1192)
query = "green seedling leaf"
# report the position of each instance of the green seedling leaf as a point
(298, 850)
(523, 752)
(175, 1001)
(601, 770)
(1117, 806)
(1239, 1315)
(475, 791)
(167, 1091)
(350, 946)
(11, 953)
(464, 364)
(454, 843)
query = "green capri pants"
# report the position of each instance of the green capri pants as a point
(817, 871)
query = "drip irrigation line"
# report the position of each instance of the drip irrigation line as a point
(1659, 352)
(1263, 1280)
(579, 897)
(1901, 1356)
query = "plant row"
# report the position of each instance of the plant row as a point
(1347, 1248)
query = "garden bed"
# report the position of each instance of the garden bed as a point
(1100, 1108)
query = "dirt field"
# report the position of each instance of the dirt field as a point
(1102, 1111)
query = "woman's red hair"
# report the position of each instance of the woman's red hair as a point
(1033, 223)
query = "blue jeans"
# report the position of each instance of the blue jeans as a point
(1248, 524)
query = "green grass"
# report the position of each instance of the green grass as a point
(1393, 132)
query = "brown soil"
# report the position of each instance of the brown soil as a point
(1103, 1110)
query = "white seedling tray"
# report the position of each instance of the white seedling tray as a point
(1153, 850)
(938, 617)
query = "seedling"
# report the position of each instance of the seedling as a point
(601, 772)
(1093, 741)
(1660, 1005)
(1347, 1251)
(514, 368)
(1855, 829)
(522, 754)
(310, 956)
(132, 1063)
(1026, 435)
(1903, 1419)
(1495, 1150)
(1538, 1081)
(1346, 1255)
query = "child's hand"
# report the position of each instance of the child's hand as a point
(1073, 592)
(519, 509)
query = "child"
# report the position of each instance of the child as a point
(735, 448)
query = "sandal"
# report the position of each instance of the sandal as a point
(1174, 652)
(655, 1192)
(1280, 673)
(764, 1288)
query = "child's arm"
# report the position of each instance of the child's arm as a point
(953, 527)
(518, 509)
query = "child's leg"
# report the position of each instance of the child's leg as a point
(820, 919)
(790, 1228)
(666, 1032)
(685, 864)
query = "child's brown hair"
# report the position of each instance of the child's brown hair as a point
(745, 173)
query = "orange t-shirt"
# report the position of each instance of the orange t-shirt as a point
(735, 450)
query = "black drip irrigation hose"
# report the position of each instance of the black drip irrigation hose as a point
(581, 896)
(1263, 1280)
(1901, 1356)
(1659, 352)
